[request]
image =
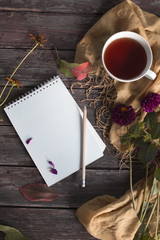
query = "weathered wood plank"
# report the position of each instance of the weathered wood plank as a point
(48, 224)
(10, 145)
(37, 68)
(98, 182)
(12, 152)
(62, 32)
(73, 6)
(64, 6)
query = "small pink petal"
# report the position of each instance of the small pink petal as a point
(51, 163)
(53, 170)
(28, 140)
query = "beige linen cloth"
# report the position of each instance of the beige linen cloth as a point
(126, 16)
(109, 218)
(106, 217)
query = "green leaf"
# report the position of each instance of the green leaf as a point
(147, 137)
(12, 233)
(147, 152)
(155, 131)
(140, 236)
(138, 142)
(150, 119)
(134, 130)
(65, 66)
(126, 138)
(142, 125)
(146, 236)
(157, 174)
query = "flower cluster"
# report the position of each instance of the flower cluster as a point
(150, 103)
(123, 115)
(144, 137)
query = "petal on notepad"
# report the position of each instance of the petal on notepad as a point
(38, 192)
(51, 163)
(29, 140)
(53, 170)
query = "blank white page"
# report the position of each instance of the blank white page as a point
(51, 117)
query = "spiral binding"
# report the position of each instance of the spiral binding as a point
(32, 92)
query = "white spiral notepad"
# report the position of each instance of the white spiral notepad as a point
(51, 118)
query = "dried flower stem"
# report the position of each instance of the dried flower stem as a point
(148, 201)
(149, 219)
(57, 53)
(4, 89)
(131, 184)
(24, 60)
(151, 214)
(157, 222)
(141, 216)
(13, 75)
(7, 94)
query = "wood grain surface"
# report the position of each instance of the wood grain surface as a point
(63, 23)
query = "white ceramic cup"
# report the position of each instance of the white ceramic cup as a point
(146, 71)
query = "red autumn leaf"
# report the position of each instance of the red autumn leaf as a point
(81, 71)
(38, 192)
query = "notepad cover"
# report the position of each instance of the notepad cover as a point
(51, 118)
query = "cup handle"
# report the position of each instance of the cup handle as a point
(150, 74)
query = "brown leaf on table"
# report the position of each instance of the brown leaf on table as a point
(38, 192)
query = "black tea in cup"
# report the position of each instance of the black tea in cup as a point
(125, 58)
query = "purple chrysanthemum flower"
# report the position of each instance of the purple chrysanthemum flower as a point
(150, 102)
(123, 115)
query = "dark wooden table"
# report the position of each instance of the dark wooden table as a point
(63, 23)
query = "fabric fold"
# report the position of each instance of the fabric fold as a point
(109, 218)
(126, 16)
